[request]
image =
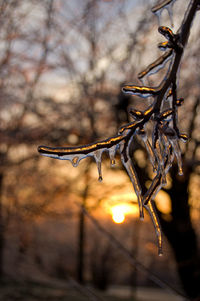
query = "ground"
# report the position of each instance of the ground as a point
(33, 291)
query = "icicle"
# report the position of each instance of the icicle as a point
(140, 91)
(156, 65)
(148, 147)
(166, 4)
(170, 159)
(153, 189)
(112, 152)
(97, 157)
(166, 145)
(126, 160)
(177, 152)
(150, 208)
(160, 161)
(170, 12)
(158, 15)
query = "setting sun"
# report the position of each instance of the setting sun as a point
(118, 216)
(120, 211)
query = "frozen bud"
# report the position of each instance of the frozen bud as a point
(169, 94)
(179, 102)
(136, 114)
(165, 114)
(167, 33)
(164, 45)
(183, 137)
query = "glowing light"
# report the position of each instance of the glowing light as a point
(163, 202)
(118, 216)
(120, 211)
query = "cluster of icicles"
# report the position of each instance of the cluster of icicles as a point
(162, 147)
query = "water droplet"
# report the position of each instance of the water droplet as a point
(75, 161)
(97, 157)
(112, 162)
(180, 172)
(100, 179)
(112, 152)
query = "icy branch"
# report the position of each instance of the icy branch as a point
(163, 144)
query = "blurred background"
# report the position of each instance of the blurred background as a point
(64, 235)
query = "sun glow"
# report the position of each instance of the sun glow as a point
(120, 211)
(118, 216)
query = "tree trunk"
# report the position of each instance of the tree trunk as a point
(181, 236)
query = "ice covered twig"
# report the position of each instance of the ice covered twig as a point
(162, 144)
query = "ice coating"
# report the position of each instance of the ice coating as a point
(152, 191)
(161, 115)
(167, 33)
(158, 9)
(160, 160)
(177, 153)
(169, 8)
(141, 91)
(97, 157)
(76, 154)
(157, 65)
